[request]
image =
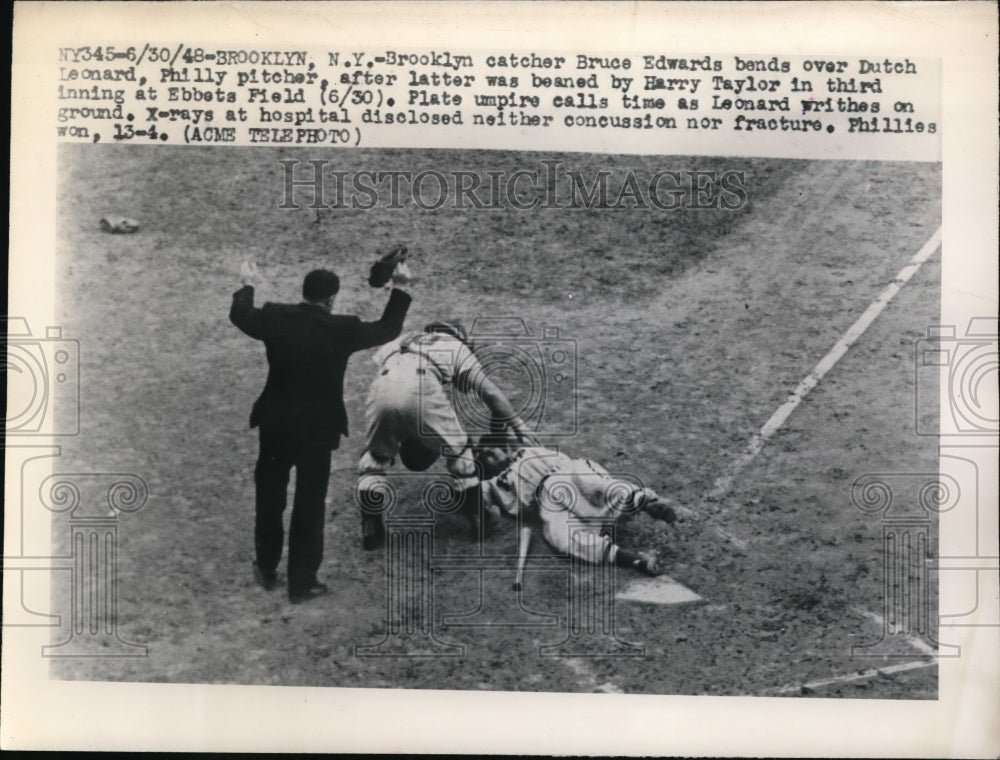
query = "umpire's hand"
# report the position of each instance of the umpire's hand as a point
(402, 275)
(249, 274)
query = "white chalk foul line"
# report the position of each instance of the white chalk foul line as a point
(588, 678)
(725, 482)
(919, 644)
(864, 675)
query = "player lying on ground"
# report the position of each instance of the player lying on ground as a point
(411, 414)
(574, 502)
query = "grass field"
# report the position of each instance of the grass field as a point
(689, 327)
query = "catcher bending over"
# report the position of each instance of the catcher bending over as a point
(573, 501)
(411, 415)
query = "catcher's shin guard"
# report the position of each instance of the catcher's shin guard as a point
(372, 532)
(478, 515)
(374, 495)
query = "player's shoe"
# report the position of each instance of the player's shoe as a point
(648, 564)
(647, 500)
(658, 509)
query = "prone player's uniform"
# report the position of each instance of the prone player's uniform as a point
(411, 398)
(575, 500)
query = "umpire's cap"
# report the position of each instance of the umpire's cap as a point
(452, 327)
(320, 284)
(415, 455)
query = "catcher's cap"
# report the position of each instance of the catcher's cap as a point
(415, 455)
(320, 284)
(452, 327)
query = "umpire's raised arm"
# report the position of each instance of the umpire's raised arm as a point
(500, 408)
(388, 327)
(242, 313)
(390, 267)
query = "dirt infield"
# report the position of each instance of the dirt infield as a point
(688, 328)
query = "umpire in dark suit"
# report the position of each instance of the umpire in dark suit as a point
(301, 414)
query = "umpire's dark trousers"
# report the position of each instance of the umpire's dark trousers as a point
(280, 450)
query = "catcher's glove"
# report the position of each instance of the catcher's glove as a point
(382, 270)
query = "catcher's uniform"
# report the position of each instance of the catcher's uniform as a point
(575, 500)
(411, 398)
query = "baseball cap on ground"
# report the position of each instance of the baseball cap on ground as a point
(320, 284)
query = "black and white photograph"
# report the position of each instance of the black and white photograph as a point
(600, 409)
(598, 338)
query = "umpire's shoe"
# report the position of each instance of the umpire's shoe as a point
(266, 580)
(298, 595)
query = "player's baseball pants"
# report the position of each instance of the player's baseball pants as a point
(406, 401)
(579, 508)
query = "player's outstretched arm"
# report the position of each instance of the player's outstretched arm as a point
(500, 408)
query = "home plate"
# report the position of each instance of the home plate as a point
(659, 590)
